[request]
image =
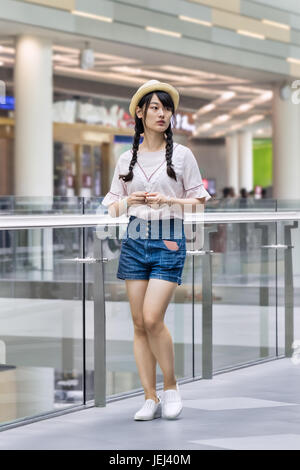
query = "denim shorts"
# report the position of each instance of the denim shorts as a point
(144, 254)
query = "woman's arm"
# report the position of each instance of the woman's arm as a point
(118, 208)
(159, 198)
(182, 202)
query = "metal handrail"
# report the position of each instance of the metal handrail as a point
(91, 220)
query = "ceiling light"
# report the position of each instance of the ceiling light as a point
(274, 23)
(218, 134)
(206, 108)
(152, 74)
(1, 63)
(236, 126)
(222, 118)
(256, 117)
(125, 69)
(65, 59)
(247, 33)
(92, 16)
(199, 89)
(242, 108)
(263, 98)
(184, 70)
(225, 97)
(9, 50)
(247, 89)
(293, 60)
(65, 49)
(207, 125)
(163, 31)
(194, 20)
(7, 60)
(104, 75)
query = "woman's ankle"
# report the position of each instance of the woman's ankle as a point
(170, 386)
(152, 397)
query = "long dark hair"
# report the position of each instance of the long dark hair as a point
(167, 102)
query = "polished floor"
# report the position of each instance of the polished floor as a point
(257, 407)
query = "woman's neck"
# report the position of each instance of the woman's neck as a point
(150, 145)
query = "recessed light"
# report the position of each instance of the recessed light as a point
(222, 118)
(92, 16)
(248, 33)
(244, 107)
(206, 108)
(207, 125)
(163, 31)
(293, 60)
(194, 20)
(256, 117)
(274, 23)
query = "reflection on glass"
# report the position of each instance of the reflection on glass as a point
(42, 312)
(41, 359)
(244, 308)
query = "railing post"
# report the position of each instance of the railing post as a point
(99, 327)
(207, 319)
(264, 289)
(289, 290)
(288, 287)
(207, 304)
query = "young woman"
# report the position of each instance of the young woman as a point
(152, 183)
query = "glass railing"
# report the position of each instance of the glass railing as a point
(66, 333)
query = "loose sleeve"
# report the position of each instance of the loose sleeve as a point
(117, 189)
(192, 180)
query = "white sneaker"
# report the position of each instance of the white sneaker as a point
(171, 403)
(150, 410)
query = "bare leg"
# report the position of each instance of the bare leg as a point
(157, 298)
(145, 360)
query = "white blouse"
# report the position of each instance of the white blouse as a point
(150, 174)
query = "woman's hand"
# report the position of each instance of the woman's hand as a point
(138, 197)
(156, 198)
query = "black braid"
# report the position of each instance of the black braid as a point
(169, 153)
(139, 129)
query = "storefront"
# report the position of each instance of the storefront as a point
(89, 135)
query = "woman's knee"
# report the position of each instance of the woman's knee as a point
(152, 324)
(139, 327)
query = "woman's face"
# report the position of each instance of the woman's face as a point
(156, 113)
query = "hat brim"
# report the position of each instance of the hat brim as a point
(147, 89)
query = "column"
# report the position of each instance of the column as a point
(232, 162)
(33, 117)
(33, 163)
(286, 157)
(245, 160)
(286, 146)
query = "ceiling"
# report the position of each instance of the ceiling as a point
(120, 69)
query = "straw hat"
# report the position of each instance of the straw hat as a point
(153, 85)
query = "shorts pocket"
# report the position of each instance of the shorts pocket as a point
(172, 257)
